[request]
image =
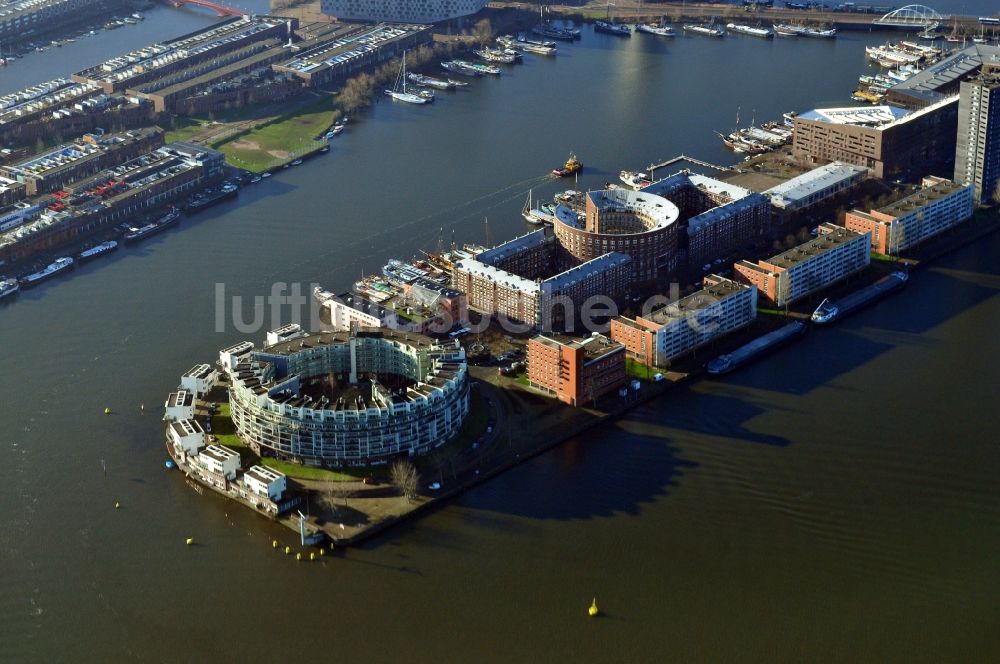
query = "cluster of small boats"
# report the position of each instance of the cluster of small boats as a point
(754, 140)
(898, 62)
(537, 212)
(400, 93)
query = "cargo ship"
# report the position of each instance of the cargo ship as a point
(829, 311)
(52, 269)
(757, 347)
(210, 197)
(739, 28)
(99, 250)
(572, 165)
(704, 30)
(161, 224)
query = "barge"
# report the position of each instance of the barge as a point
(829, 311)
(756, 348)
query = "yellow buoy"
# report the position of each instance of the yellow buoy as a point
(312, 555)
(322, 552)
(107, 411)
(593, 610)
(274, 544)
(298, 556)
(189, 541)
(288, 550)
(117, 504)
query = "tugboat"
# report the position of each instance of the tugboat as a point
(572, 165)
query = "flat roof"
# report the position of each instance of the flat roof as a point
(185, 428)
(586, 270)
(697, 301)
(502, 277)
(956, 67)
(816, 180)
(834, 237)
(862, 116)
(660, 211)
(594, 347)
(220, 453)
(711, 185)
(922, 197)
(263, 474)
(513, 247)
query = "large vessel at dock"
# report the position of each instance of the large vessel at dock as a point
(458, 67)
(612, 28)
(52, 269)
(829, 311)
(99, 250)
(8, 287)
(552, 32)
(166, 221)
(704, 30)
(763, 33)
(528, 45)
(792, 30)
(210, 197)
(506, 56)
(757, 347)
(655, 29)
(478, 67)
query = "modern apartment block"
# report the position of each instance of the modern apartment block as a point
(400, 11)
(888, 141)
(663, 335)
(576, 370)
(977, 149)
(937, 206)
(792, 275)
(521, 281)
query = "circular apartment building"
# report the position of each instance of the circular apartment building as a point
(350, 398)
(640, 225)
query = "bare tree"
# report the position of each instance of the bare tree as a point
(483, 31)
(405, 478)
(334, 494)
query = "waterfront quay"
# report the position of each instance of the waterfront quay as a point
(778, 12)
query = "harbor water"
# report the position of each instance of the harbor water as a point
(837, 501)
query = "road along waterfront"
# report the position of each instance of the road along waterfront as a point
(837, 501)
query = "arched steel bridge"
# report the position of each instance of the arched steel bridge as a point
(911, 16)
(218, 8)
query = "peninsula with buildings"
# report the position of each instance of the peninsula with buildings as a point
(435, 374)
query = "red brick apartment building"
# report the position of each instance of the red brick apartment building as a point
(576, 370)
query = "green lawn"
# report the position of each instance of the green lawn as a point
(283, 138)
(636, 369)
(184, 129)
(311, 473)
(225, 432)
